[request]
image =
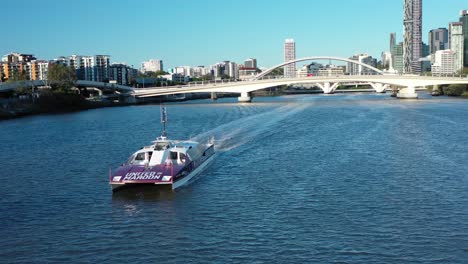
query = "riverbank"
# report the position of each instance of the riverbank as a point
(56, 103)
(46, 103)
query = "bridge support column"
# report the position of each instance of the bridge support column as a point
(407, 93)
(214, 96)
(245, 97)
(379, 87)
(328, 88)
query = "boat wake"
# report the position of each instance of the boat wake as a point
(239, 132)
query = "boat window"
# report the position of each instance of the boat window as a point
(149, 155)
(140, 156)
(161, 146)
(132, 158)
(182, 157)
(173, 155)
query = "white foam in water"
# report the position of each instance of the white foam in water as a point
(244, 130)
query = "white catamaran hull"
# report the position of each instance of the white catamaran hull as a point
(192, 174)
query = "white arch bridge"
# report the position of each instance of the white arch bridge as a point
(380, 82)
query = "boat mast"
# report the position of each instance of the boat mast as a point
(163, 121)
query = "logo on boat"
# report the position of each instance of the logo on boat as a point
(132, 176)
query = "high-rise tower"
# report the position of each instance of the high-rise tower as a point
(392, 41)
(413, 36)
(438, 40)
(289, 55)
(464, 20)
(456, 40)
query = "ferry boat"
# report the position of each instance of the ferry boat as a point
(435, 92)
(165, 162)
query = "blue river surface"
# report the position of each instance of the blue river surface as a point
(344, 178)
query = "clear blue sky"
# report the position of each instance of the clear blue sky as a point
(203, 32)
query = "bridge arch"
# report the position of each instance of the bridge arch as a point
(316, 58)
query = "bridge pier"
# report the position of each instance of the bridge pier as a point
(214, 96)
(379, 87)
(328, 88)
(245, 97)
(407, 93)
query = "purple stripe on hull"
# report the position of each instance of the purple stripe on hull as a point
(142, 174)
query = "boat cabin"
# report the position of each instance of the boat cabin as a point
(164, 152)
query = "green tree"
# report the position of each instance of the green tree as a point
(380, 65)
(159, 73)
(277, 72)
(207, 77)
(61, 77)
(152, 74)
(455, 89)
(17, 75)
(22, 90)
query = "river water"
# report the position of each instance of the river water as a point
(345, 178)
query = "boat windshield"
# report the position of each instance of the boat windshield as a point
(161, 146)
(140, 156)
(136, 158)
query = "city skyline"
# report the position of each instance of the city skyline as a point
(137, 31)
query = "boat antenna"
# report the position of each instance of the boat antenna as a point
(163, 121)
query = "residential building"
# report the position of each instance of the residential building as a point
(250, 63)
(15, 57)
(61, 60)
(224, 69)
(232, 70)
(15, 70)
(438, 40)
(246, 73)
(443, 62)
(87, 68)
(96, 68)
(101, 68)
(289, 55)
(152, 65)
(2, 75)
(176, 77)
(464, 20)
(412, 45)
(456, 43)
(183, 70)
(217, 70)
(76, 62)
(356, 69)
(200, 71)
(38, 69)
(120, 73)
(302, 72)
(15, 65)
(328, 70)
(177, 70)
(90, 68)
